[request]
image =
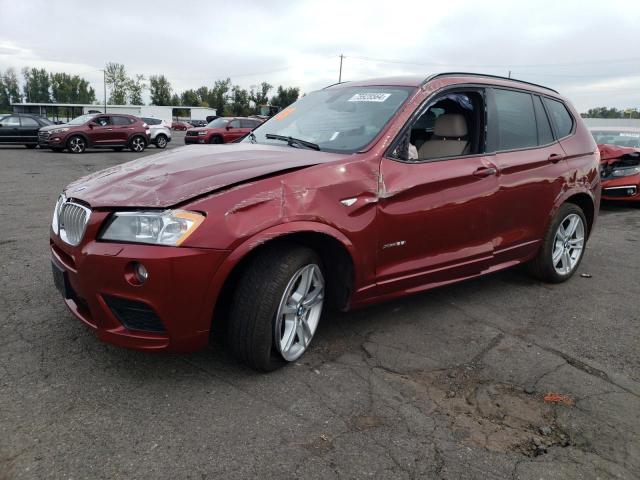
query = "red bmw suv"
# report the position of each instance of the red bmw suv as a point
(357, 193)
(222, 130)
(96, 131)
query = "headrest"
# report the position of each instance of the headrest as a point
(450, 125)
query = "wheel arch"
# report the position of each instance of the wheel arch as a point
(333, 247)
(77, 134)
(587, 205)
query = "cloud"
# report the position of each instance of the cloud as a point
(571, 46)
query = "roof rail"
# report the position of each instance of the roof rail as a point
(443, 74)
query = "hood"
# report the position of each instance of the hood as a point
(201, 129)
(610, 153)
(54, 127)
(174, 176)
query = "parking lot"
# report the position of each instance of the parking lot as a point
(449, 384)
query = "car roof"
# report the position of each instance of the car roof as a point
(417, 81)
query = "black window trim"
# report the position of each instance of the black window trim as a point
(424, 106)
(554, 127)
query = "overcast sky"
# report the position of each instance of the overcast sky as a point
(588, 50)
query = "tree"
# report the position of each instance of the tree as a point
(239, 101)
(135, 88)
(118, 83)
(285, 96)
(260, 97)
(218, 95)
(36, 85)
(175, 100)
(190, 98)
(70, 89)
(203, 95)
(9, 90)
(160, 90)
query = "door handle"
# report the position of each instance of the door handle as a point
(109, 129)
(555, 157)
(485, 171)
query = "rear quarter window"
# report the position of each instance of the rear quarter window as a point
(560, 116)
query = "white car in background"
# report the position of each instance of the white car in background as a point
(160, 131)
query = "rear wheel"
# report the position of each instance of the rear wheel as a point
(76, 144)
(161, 141)
(276, 307)
(138, 144)
(216, 139)
(563, 246)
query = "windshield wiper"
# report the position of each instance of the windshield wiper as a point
(293, 141)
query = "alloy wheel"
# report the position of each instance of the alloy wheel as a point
(137, 144)
(299, 312)
(568, 244)
(161, 142)
(77, 145)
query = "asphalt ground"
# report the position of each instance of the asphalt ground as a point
(448, 384)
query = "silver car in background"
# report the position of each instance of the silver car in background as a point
(160, 133)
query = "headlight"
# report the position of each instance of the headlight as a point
(625, 172)
(202, 134)
(56, 212)
(59, 130)
(169, 227)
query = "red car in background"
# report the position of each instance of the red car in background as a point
(222, 130)
(620, 162)
(180, 126)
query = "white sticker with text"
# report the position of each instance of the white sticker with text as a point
(369, 97)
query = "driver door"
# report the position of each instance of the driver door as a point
(102, 132)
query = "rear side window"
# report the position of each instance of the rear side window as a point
(545, 136)
(151, 121)
(29, 122)
(516, 120)
(561, 117)
(121, 120)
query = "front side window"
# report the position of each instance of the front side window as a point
(516, 120)
(234, 124)
(102, 121)
(343, 119)
(561, 117)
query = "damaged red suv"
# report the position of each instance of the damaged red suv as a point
(222, 130)
(620, 162)
(357, 193)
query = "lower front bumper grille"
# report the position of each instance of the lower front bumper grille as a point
(134, 315)
(620, 192)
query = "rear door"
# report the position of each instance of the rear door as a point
(123, 128)
(532, 167)
(10, 129)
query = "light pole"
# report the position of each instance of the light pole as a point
(104, 85)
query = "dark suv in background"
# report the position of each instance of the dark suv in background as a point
(96, 131)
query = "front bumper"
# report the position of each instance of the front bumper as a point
(196, 139)
(622, 188)
(177, 294)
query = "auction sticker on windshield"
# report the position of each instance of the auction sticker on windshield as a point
(369, 97)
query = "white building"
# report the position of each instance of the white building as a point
(67, 111)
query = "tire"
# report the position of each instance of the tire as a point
(260, 318)
(559, 256)
(161, 141)
(216, 139)
(137, 144)
(77, 144)
(30, 146)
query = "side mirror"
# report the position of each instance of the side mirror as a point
(93, 124)
(228, 127)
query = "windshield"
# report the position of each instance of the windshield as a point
(620, 138)
(343, 120)
(46, 121)
(218, 123)
(82, 119)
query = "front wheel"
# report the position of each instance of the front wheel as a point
(77, 144)
(138, 144)
(276, 307)
(563, 246)
(216, 139)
